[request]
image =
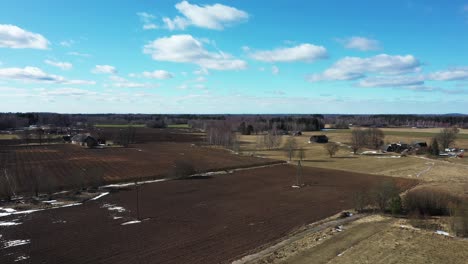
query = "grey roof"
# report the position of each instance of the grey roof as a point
(80, 137)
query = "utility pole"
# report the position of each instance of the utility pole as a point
(299, 174)
(137, 188)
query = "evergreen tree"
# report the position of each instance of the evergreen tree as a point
(435, 147)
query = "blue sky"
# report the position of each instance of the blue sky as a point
(350, 57)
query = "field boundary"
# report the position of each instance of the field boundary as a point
(310, 229)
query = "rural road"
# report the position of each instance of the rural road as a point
(337, 245)
(314, 229)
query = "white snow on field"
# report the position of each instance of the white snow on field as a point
(443, 233)
(8, 210)
(389, 157)
(52, 202)
(121, 185)
(117, 217)
(113, 207)
(9, 223)
(14, 243)
(21, 258)
(99, 196)
(131, 222)
(68, 205)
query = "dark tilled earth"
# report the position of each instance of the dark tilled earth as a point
(212, 220)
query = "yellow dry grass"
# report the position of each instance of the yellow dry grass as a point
(451, 171)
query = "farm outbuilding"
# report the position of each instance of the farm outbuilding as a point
(318, 139)
(84, 140)
(420, 144)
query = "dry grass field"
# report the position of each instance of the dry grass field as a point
(380, 239)
(450, 171)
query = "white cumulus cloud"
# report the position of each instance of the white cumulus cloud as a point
(303, 52)
(147, 20)
(361, 43)
(187, 49)
(450, 75)
(215, 16)
(106, 69)
(34, 74)
(393, 81)
(352, 68)
(59, 64)
(158, 74)
(15, 37)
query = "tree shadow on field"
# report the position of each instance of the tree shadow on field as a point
(198, 177)
(318, 160)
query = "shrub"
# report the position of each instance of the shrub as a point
(459, 219)
(331, 148)
(429, 201)
(361, 200)
(182, 169)
(384, 193)
(395, 205)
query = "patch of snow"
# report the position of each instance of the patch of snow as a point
(21, 258)
(14, 243)
(9, 223)
(50, 201)
(117, 217)
(131, 222)
(113, 207)
(8, 210)
(4, 214)
(27, 211)
(443, 233)
(100, 196)
(69, 205)
(121, 185)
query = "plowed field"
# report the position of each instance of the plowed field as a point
(212, 220)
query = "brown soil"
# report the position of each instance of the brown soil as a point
(210, 220)
(64, 163)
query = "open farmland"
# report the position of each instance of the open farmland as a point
(65, 164)
(209, 220)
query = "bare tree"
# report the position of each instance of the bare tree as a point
(384, 193)
(375, 137)
(361, 200)
(182, 169)
(358, 139)
(331, 148)
(7, 185)
(272, 139)
(459, 219)
(25, 136)
(39, 135)
(289, 147)
(447, 136)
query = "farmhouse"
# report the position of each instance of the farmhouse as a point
(297, 133)
(84, 140)
(318, 139)
(419, 144)
(395, 147)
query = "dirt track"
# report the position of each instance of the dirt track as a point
(210, 220)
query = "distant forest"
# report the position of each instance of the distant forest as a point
(243, 123)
